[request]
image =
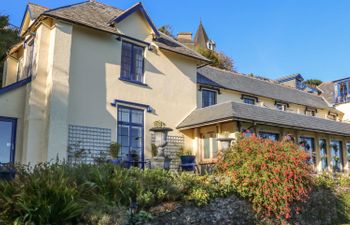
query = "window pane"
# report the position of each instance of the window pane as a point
(138, 63)
(206, 146)
(323, 154)
(267, 135)
(136, 116)
(215, 147)
(308, 144)
(337, 155)
(249, 101)
(123, 115)
(208, 98)
(5, 141)
(136, 137)
(126, 60)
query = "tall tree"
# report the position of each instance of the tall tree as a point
(167, 29)
(313, 82)
(219, 59)
(8, 37)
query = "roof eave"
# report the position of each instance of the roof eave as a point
(137, 7)
(233, 118)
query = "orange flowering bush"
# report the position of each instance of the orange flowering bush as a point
(272, 175)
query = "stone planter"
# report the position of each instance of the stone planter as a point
(161, 137)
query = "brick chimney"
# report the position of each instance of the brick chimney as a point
(184, 36)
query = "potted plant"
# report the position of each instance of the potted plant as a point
(114, 149)
(188, 160)
(154, 150)
(225, 140)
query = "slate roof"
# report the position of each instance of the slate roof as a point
(293, 76)
(90, 13)
(211, 76)
(97, 15)
(170, 44)
(36, 10)
(261, 115)
(327, 89)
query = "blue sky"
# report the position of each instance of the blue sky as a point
(270, 38)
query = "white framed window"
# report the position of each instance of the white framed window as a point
(209, 147)
(281, 106)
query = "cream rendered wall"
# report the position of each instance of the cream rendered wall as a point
(230, 95)
(95, 84)
(35, 124)
(59, 63)
(10, 71)
(344, 108)
(12, 105)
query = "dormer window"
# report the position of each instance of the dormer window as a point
(281, 106)
(211, 45)
(310, 111)
(251, 100)
(332, 116)
(342, 91)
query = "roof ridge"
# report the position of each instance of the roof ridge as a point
(31, 3)
(101, 3)
(281, 85)
(167, 36)
(67, 6)
(275, 110)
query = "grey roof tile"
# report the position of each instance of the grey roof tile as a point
(36, 10)
(262, 115)
(327, 89)
(292, 76)
(98, 15)
(258, 87)
(90, 13)
(170, 44)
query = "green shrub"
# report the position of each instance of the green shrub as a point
(272, 175)
(343, 207)
(47, 196)
(324, 180)
(90, 194)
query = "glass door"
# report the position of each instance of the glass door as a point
(7, 139)
(337, 155)
(130, 133)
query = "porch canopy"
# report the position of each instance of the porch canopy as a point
(234, 111)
